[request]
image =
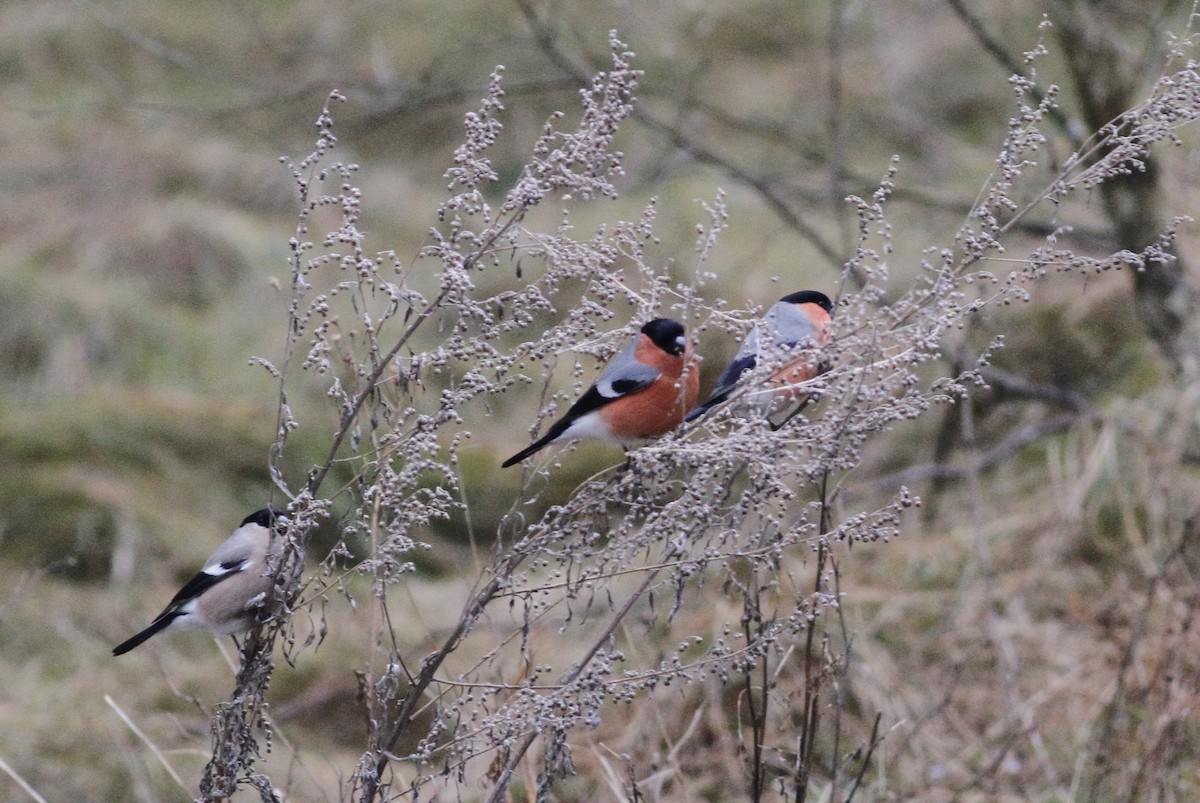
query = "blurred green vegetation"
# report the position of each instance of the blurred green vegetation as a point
(144, 219)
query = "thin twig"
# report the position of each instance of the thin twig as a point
(500, 786)
(1008, 447)
(138, 732)
(546, 40)
(866, 761)
(995, 48)
(21, 782)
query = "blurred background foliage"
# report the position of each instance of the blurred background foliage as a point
(144, 219)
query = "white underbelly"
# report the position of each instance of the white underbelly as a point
(587, 427)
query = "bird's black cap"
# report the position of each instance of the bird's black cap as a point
(264, 518)
(810, 297)
(667, 334)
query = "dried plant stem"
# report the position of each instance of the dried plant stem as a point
(371, 783)
(546, 39)
(810, 717)
(872, 742)
(751, 616)
(500, 788)
(350, 415)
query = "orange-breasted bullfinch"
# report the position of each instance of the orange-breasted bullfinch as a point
(795, 319)
(643, 393)
(233, 590)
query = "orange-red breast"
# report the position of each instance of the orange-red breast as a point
(794, 320)
(643, 393)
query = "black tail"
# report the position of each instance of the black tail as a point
(717, 398)
(726, 383)
(530, 449)
(704, 408)
(154, 628)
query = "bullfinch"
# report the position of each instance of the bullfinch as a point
(793, 320)
(233, 589)
(643, 393)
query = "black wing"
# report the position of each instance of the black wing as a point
(725, 384)
(202, 582)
